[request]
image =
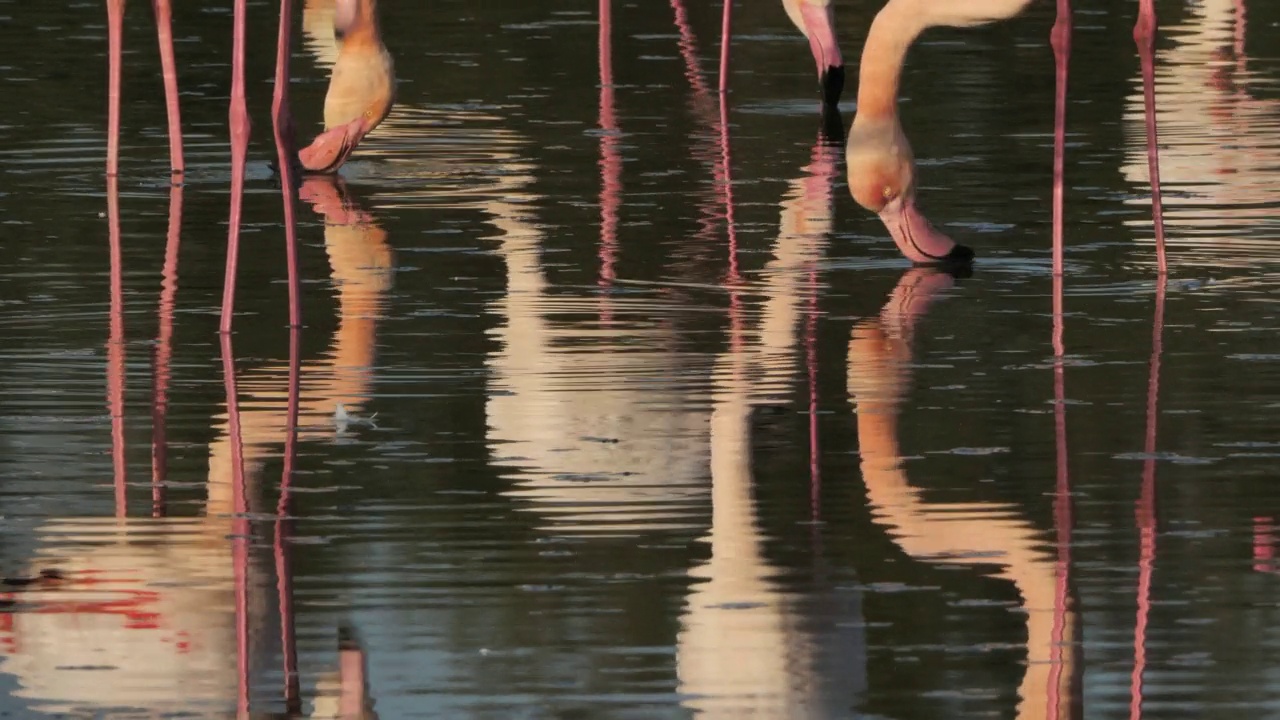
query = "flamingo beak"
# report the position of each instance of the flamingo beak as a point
(832, 81)
(916, 237)
(820, 26)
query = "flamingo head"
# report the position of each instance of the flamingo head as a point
(882, 180)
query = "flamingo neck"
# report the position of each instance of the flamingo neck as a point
(883, 55)
(357, 20)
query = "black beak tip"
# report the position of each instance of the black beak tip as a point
(959, 262)
(960, 255)
(832, 85)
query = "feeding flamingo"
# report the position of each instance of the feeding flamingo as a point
(367, 63)
(881, 166)
(361, 88)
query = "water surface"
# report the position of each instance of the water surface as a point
(617, 442)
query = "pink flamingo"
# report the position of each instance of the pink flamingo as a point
(881, 167)
(358, 20)
(361, 92)
(816, 19)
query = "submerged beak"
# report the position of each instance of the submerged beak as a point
(918, 240)
(832, 85)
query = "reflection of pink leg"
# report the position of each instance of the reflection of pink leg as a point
(726, 184)
(115, 23)
(725, 28)
(239, 121)
(164, 31)
(1060, 37)
(239, 525)
(164, 351)
(689, 51)
(115, 347)
(284, 572)
(1146, 511)
(1144, 34)
(811, 365)
(1264, 544)
(610, 158)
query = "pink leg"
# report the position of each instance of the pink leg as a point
(164, 30)
(115, 23)
(239, 121)
(725, 33)
(1144, 34)
(1060, 37)
(282, 123)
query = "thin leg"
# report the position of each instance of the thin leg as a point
(1060, 37)
(115, 23)
(164, 31)
(1144, 34)
(282, 124)
(725, 33)
(239, 121)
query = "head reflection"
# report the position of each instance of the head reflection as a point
(748, 646)
(980, 534)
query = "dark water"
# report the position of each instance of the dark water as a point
(626, 463)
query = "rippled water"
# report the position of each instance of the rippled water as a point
(614, 442)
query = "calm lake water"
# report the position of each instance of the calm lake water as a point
(617, 443)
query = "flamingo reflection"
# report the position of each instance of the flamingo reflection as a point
(737, 615)
(1221, 136)
(582, 405)
(169, 614)
(974, 533)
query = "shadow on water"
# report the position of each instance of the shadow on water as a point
(611, 402)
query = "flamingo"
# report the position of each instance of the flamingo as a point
(816, 19)
(355, 18)
(361, 88)
(360, 93)
(881, 167)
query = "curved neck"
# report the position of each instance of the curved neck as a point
(892, 32)
(356, 18)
